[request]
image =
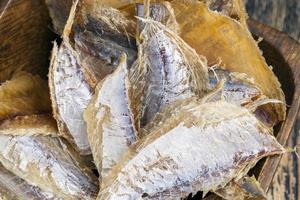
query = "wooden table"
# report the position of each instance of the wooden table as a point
(285, 16)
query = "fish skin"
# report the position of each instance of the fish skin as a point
(167, 70)
(70, 95)
(238, 88)
(185, 153)
(13, 187)
(100, 35)
(45, 162)
(109, 120)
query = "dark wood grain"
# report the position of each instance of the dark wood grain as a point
(25, 37)
(280, 49)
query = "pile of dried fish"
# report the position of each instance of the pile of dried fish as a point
(150, 100)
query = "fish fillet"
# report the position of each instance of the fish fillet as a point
(109, 120)
(45, 162)
(219, 37)
(13, 188)
(70, 95)
(200, 148)
(167, 70)
(100, 35)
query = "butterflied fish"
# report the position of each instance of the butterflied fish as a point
(238, 88)
(13, 188)
(110, 121)
(100, 35)
(24, 94)
(200, 148)
(46, 162)
(167, 70)
(217, 36)
(70, 94)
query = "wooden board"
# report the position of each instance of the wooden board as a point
(25, 37)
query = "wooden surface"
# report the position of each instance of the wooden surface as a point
(25, 37)
(284, 15)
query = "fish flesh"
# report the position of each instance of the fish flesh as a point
(70, 95)
(109, 120)
(238, 88)
(100, 35)
(167, 70)
(45, 162)
(202, 147)
(219, 37)
(13, 187)
(29, 124)
(24, 94)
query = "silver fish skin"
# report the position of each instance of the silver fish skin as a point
(70, 95)
(167, 70)
(202, 148)
(238, 88)
(13, 187)
(109, 120)
(42, 161)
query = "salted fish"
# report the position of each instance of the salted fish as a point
(200, 148)
(167, 70)
(70, 95)
(100, 35)
(238, 88)
(45, 162)
(13, 188)
(109, 120)
(24, 94)
(219, 37)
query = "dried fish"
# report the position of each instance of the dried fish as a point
(32, 124)
(238, 88)
(13, 188)
(167, 70)
(100, 35)
(24, 94)
(70, 95)
(45, 162)
(109, 120)
(201, 147)
(216, 36)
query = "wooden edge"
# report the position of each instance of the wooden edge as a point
(290, 50)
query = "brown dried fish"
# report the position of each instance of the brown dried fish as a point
(212, 144)
(13, 187)
(32, 124)
(70, 95)
(217, 36)
(110, 121)
(24, 94)
(167, 70)
(100, 35)
(46, 162)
